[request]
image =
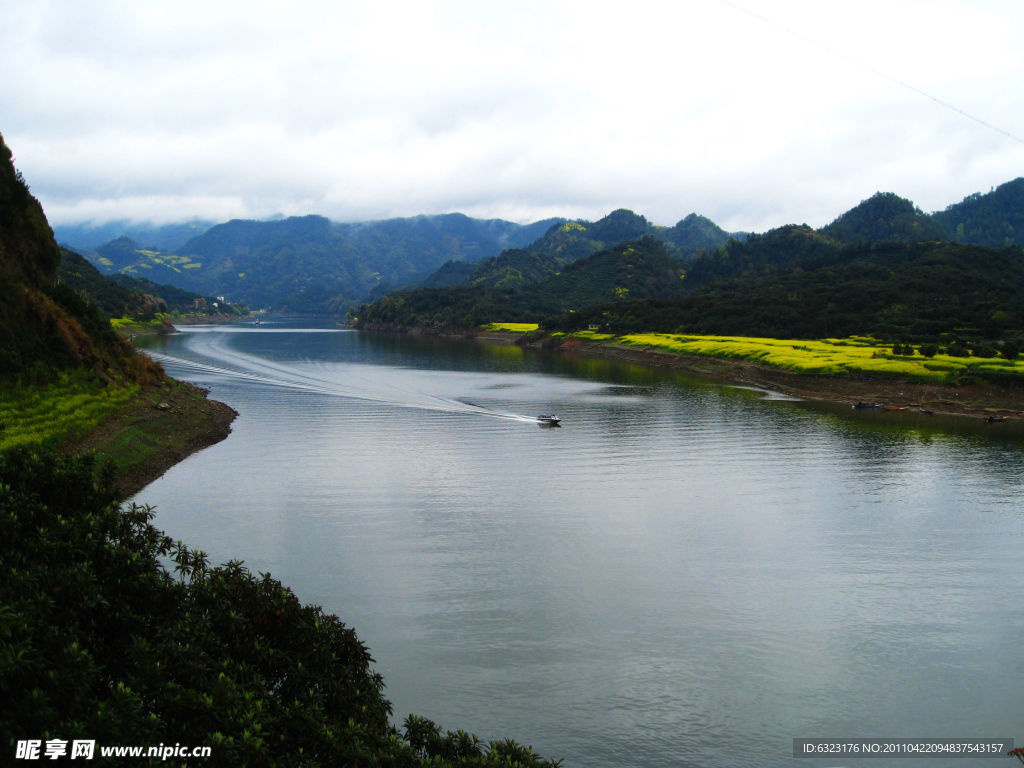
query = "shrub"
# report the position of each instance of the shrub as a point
(100, 641)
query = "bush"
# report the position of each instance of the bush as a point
(99, 641)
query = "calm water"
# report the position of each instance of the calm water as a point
(683, 574)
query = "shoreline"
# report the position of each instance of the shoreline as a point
(979, 401)
(165, 424)
(170, 420)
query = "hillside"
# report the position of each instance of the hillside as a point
(67, 380)
(87, 237)
(698, 233)
(895, 291)
(122, 296)
(311, 264)
(46, 327)
(635, 268)
(994, 219)
(885, 217)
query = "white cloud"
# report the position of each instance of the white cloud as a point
(754, 114)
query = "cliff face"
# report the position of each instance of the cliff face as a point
(45, 327)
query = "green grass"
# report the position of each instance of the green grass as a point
(69, 408)
(856, 354)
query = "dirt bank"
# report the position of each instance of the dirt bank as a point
(163, 425)
(981, 400)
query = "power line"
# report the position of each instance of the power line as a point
(869, 68)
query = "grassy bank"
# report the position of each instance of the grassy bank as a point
(67, 409)
(856, 355)
(141, 429)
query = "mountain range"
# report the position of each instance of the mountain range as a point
(312, 264)
(882, 268)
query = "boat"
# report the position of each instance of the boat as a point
(895, 407)
(868, 405)
(548, 418)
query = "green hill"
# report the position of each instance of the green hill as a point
(898, 291)
(636, 268)
(561, 245)
(121, 295)
(885, 217)
(994, 219)
(45, 326)
(697, 233)
(311, 264)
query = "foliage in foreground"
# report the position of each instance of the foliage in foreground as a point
(100, 641)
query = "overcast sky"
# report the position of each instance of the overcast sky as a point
(755, 113)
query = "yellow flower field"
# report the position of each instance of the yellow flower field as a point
(852, 355)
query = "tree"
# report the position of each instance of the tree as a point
(100, 641)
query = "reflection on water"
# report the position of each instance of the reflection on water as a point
(684, 574)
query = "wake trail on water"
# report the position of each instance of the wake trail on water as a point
(340, 381)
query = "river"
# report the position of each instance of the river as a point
(682, 574)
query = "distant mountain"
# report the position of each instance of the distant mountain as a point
(885, 217)
(994, 219)
(571, 240)
(643, 268)
(697, 233)
(635, 269)
(159, 237)
(312, 264)
(894, 291)
(121, 295)
(562, 244)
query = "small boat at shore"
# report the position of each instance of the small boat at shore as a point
(868, 405)
(549, 419)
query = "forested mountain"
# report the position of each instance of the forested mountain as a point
(995, 219)
(310, 263)
(698, 233)
(895, 291)
(125, 296)
(885, 217)
(46, 327)
(641, 268)
(567, 242)
(84, 238)
(790, 282)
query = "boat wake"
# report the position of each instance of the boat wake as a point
(215, 361)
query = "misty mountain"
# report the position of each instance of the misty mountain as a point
(83, 238)
(311, 264)
(570, 241)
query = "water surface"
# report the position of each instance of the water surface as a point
(683, 574)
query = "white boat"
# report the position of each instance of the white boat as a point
(548, 418)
